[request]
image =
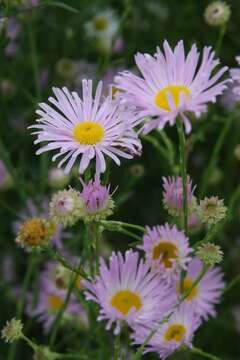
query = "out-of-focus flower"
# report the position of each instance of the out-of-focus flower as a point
(137, 170)
(7, 268)
(13, 28)
(98, 203)
(118, 45)
(217, 13)
(11, 49)
(236, 314)
(6, 181)
(237, 152)
(216, 176)
(207, 293)
(235, 75)
(50, 300)
(88, 128)
(66, 68)
(57, 179)
(63, 277)
(7, 87)
(84, 70)
(166, 249)
(103, 28)
(12, 331)
(35, 233)
(44, 78)
(157, 9)
(210, 254)
(173, 194)
(165, 94)
(66, 207)
(231, 97)
(31, 3)
(171, 335)
(211, 210)
(128, 291)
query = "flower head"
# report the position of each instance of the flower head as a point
(35, 233)
(12, 331)
(210, 254)
(206, 294)
(172, 85)
(166, 249)
(173, 194)
(87, 128)
(217, 13)
(127, 291)
(66, 207)
(211, 210)
(171, 335)
(97, 200)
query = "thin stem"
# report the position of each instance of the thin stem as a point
(60, 313)
(58, 257)
(198, 351)
(222, 32)
(183, 167)
(117, 346)
(215, 155)
(20, 303)
(114, 224)
(232, 283)
(30, 342)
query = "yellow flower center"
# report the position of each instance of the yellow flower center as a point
(88, 132)
(55, 302)
(78, 283)
(187, 284)
(175, 332)
(161, 98)
(124, 300)
(167, 251)
(33, 231)
(101, 23)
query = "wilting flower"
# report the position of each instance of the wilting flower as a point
(66, 207)
(50, 300)
(211, 210)
(103, 27)
(235, 75)
(206, 294)
(171, 335)
(57, 178)
(5, 178)
(88, 128)
(35, 233)
(167, 249)
(172, 85)
(127, 290)
(217, 13)
(173, 194)
(98, 203)
(12, 331)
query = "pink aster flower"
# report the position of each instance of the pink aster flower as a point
(173, 193)
(50, 300)
(235, 75)
(87, 128)
(207, 293)
(97, 200)
(167, 249)
(178, 331)
(128, 291)
(172, 85)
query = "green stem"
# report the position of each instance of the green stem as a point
(195, 350)
(58, 257)
(222, 32)
(30, 342)
(20, 304)
(115, 224)
(60, 313)
(215, 155)
(117, 346)
(232, 283)
(183, 167)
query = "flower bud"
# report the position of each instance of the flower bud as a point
(210, 254)
(211, 210)
(217, 13)
(12, 331)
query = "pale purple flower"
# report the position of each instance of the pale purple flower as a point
(171, 335)
(13, 28)
(208, 291)
(127, 290)
(172, 85)
(50, 300)
(173, 193)
(86, 128)
(235, 75)
(167, 249)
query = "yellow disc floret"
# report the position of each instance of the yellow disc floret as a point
(88, 132)
(124, 300)
(187, 285)
(100, 23)
(161, 99)
(166, 251)
(175, 332)
(55, 302)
